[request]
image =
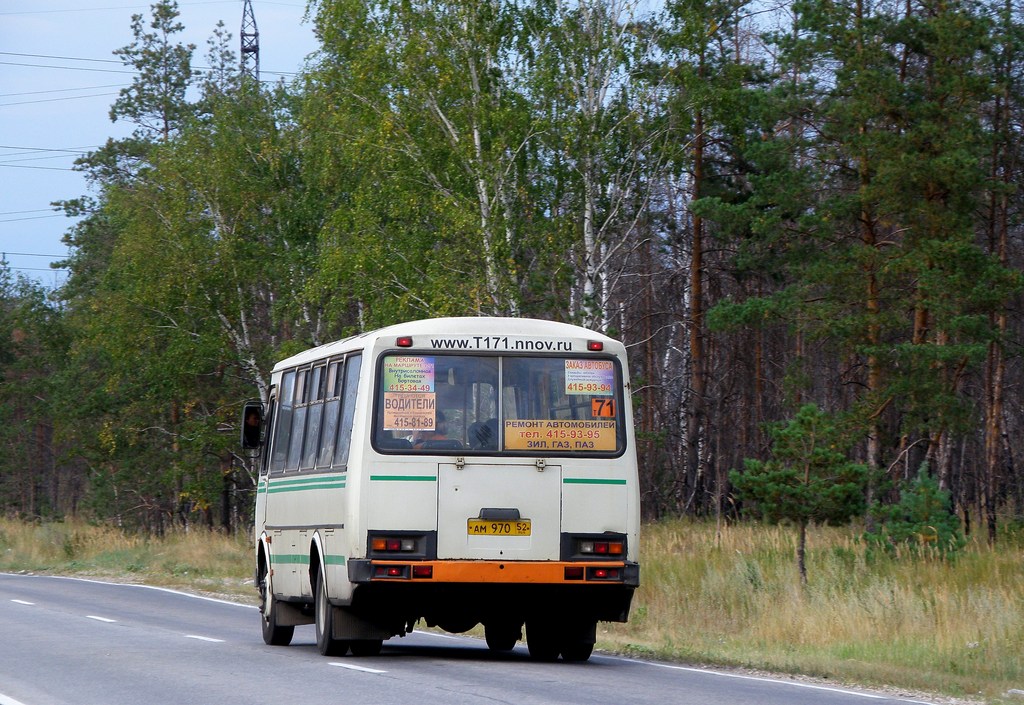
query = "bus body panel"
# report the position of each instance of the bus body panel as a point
(400, 497)
(595, 505)
(462, 507)
(522, 492)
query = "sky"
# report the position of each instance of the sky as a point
(58, 78)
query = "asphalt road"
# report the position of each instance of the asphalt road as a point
(65, 641)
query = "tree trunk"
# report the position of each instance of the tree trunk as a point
(801, 552)
(695, 416)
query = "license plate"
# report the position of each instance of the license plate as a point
(489, 527)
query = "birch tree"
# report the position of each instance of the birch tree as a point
(423, 92)
(586, 64)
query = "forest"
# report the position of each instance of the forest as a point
(803, 219)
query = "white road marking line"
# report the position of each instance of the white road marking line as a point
(6, 700)
(350, 667)
(776, 681)
(153, 587)
(204, 638)
(22, 602)
(100, 619)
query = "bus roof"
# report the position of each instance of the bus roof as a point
(466, 326)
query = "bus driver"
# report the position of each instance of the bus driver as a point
(438, 434)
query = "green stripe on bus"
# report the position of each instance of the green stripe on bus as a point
(306, 483)
(312, 486)
(307, 480)
(299, 558)
(591, 481)
(404, 478)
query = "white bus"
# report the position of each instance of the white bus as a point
(459, 471)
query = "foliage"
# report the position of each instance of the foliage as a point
(155, 100)
(768, 207)
(808, 479)
(921, 523)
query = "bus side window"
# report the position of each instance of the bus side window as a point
(300, 401)
(314, 416)
(284, 423)
(332, 410)
(348, 410)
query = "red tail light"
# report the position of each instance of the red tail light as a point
(602, 548)
(393, 544)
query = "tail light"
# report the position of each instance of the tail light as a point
(604, 574)
(602, 548)
(382, 544)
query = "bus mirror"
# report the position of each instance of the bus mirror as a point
(252, 424)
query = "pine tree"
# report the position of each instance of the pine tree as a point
(809, 478)
(921, 522)
(155, 100)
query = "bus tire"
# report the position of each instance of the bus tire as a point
(367, 647)
(324, 619)
(577, 651)
(578, 640)
(542, 641)
(501, 636)
(274, 634)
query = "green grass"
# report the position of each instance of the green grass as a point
(721, 598)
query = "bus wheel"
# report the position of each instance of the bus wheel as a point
(367, 647)
(578, 641)
(273, 633)
(542, 641)
(502, 636)
(325, 643)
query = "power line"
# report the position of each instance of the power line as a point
(5, 160)
(64, 90)
(33, 217)
(71, 150)
(63, 68)
(39, 269)
(36, 210)
(55, 100)
(62, 58)
(120, 7)
(43, 168)
(30, 254)
(104, 61)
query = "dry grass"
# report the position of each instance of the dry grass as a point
(728, 599)
(198, 560)
(735, 598)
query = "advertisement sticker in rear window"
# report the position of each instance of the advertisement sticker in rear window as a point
(409, 411)
(409, 373)
(544, 434)
(589, 377)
